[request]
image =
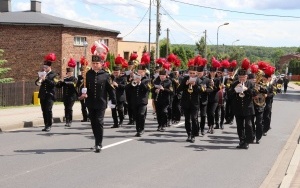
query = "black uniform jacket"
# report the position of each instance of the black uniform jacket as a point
(139, 94)
(98, 86)
(47, 87)
(204, 95)
(190, 99)
(163, 97)
(242, 106)
(69, 88)
(120, 90)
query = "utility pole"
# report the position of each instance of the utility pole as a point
(149, 28)
(205, 49)
(157, 27)
(167, 49)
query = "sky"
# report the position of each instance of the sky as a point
(270, 23)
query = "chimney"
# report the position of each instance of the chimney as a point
(35, 6)
(5, 5)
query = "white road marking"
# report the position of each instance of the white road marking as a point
(117, 143)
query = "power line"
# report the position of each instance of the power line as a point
(137, 24)
(240, 12)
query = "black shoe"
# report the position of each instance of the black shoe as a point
(138, 135)
(221, 126)
(202, 133)
(114, 126)
(44, 129)
(240, 146)
(47, 129)
(159, 128)
(227, 122)
(163, 129)
(257, 141)
(231, 123)
(245, 146)
(264, 134)
(121, 123)
(193, 140)
(189, 139)
(84, 120)
(217, 126)
(141, 132)
(133, 123)
(98, 149)
(68, 125)
(197, 134)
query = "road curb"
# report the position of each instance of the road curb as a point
(279, 170)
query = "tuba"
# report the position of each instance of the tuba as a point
(260, 98)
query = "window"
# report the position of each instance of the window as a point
(79, 41)
(126, 55)
(105, 41)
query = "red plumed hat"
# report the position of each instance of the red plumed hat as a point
(215, 63)
(198, 60)
(245, 64)
(172, 58)
(225, 63)
(93, 49)
(269, 70)
(161, 61)
(106, 64)
(254, 68)
(191, 62)
(166, 66)
(50, 57)
(133, 56)
(72, 63)
(119, 60)
(262, 65)
(177, 63)
(145, 59)
(83, 61)
(233, 64)
(124, 64)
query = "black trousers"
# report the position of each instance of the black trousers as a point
(257, 125)
(203, 113)
(176, 109)
(96, 118)
(284, 88)
(228, 111)
(139, 114)
(46, 105)
(244, 128)
(211, 109)
(69, 110)
(218, 116)
(84, 110)
(190, 114)
(161, 114)
(170, 109)
(118, 111)
(267, 118)
(130, 112)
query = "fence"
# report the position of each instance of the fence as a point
(20, 93)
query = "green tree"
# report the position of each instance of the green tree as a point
(163, 47)
(4, 70)
(111, 59)
(180, 52)
(298, 50)
(200, 46)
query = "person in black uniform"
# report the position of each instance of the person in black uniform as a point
(79, 85)
(46, 91)
(241, 93)
(285, 83)
(139, 89)
(119, 82)
(190, 87)
(154, 77)
(98, 85)
(229, 116)
(163, 89)
(70, 93)
(220, 110)
(176, 108)
(272, 91)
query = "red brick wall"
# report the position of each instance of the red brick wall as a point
(25, 47)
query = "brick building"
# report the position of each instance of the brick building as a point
(287, 58)
(26, 37)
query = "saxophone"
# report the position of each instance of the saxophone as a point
(260, 99)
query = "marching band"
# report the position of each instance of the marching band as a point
(224, 94)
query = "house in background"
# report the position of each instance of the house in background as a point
(287, 58)
(27, 36)
(125, 48)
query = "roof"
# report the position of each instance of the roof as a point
(40, 19)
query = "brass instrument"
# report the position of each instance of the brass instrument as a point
(190, 89)
(39, 81)
(260, 98)
(134, 83)
(242, 94)
(279, 86)
(158, 87)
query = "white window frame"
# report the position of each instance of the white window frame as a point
(79, 40)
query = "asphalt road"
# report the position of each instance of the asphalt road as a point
(62, 157)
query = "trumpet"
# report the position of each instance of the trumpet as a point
(190, 89)
(134, 83)
(39, 81)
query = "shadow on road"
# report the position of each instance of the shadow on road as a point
(44, 151)
(210, 147)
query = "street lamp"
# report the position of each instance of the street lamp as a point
(235, 41)
(218, 36)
